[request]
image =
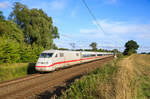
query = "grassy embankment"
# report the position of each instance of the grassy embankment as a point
(142, 76)
(12, 71)
(125, 78)
(96, 85)
(133, 78)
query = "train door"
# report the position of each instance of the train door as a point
(61, 59)
(80, 56)
(68, 57)
(58, 59)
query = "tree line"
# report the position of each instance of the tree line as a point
(131, 47)
(94, 48)
(25, 34)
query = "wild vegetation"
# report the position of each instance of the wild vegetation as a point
(16, 70)
(126, 78)
(142, 76)
(25, 34)
(96, 85)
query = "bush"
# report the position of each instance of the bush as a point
(16, 70)
(9, 51)
(13, 52)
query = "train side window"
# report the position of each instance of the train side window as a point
(99, 55)
(61, 54)
(86, 55)
(56, 55)
(93, 54)
(77, 54)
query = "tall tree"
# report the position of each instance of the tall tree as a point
(1, 16)
(9, 51)
(93, 45)
(37, 26)
(131, 47)
(10, 30)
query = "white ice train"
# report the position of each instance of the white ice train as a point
(50, 60)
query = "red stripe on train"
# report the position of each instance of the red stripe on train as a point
(69, 61)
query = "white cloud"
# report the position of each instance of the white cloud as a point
(4, 4)
(49, 6)
(120, 28)
(117, 33)
(74, 11)
(88, 31)
(57, 4)
(144, 35)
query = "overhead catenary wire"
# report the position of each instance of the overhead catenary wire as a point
(95, 19)
(93, 16)
(99, 27)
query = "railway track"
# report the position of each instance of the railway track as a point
(45, 85)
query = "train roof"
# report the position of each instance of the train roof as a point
(53, 51)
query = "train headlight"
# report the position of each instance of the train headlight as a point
(43, 62)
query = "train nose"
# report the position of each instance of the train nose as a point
(43, 64)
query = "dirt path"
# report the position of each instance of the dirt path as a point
(127, 79)
(123, 79)
(48, 84)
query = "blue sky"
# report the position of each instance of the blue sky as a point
(122, 20)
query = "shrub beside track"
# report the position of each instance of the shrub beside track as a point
(17, 70)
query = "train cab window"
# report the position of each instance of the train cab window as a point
(46, 55)
(61, 54)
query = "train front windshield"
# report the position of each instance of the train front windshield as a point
(46, 55)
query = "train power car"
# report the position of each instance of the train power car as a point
(50, 60)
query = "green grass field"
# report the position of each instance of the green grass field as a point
(12, 71)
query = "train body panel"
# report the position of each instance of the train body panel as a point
(72, 57)
(50, 60)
